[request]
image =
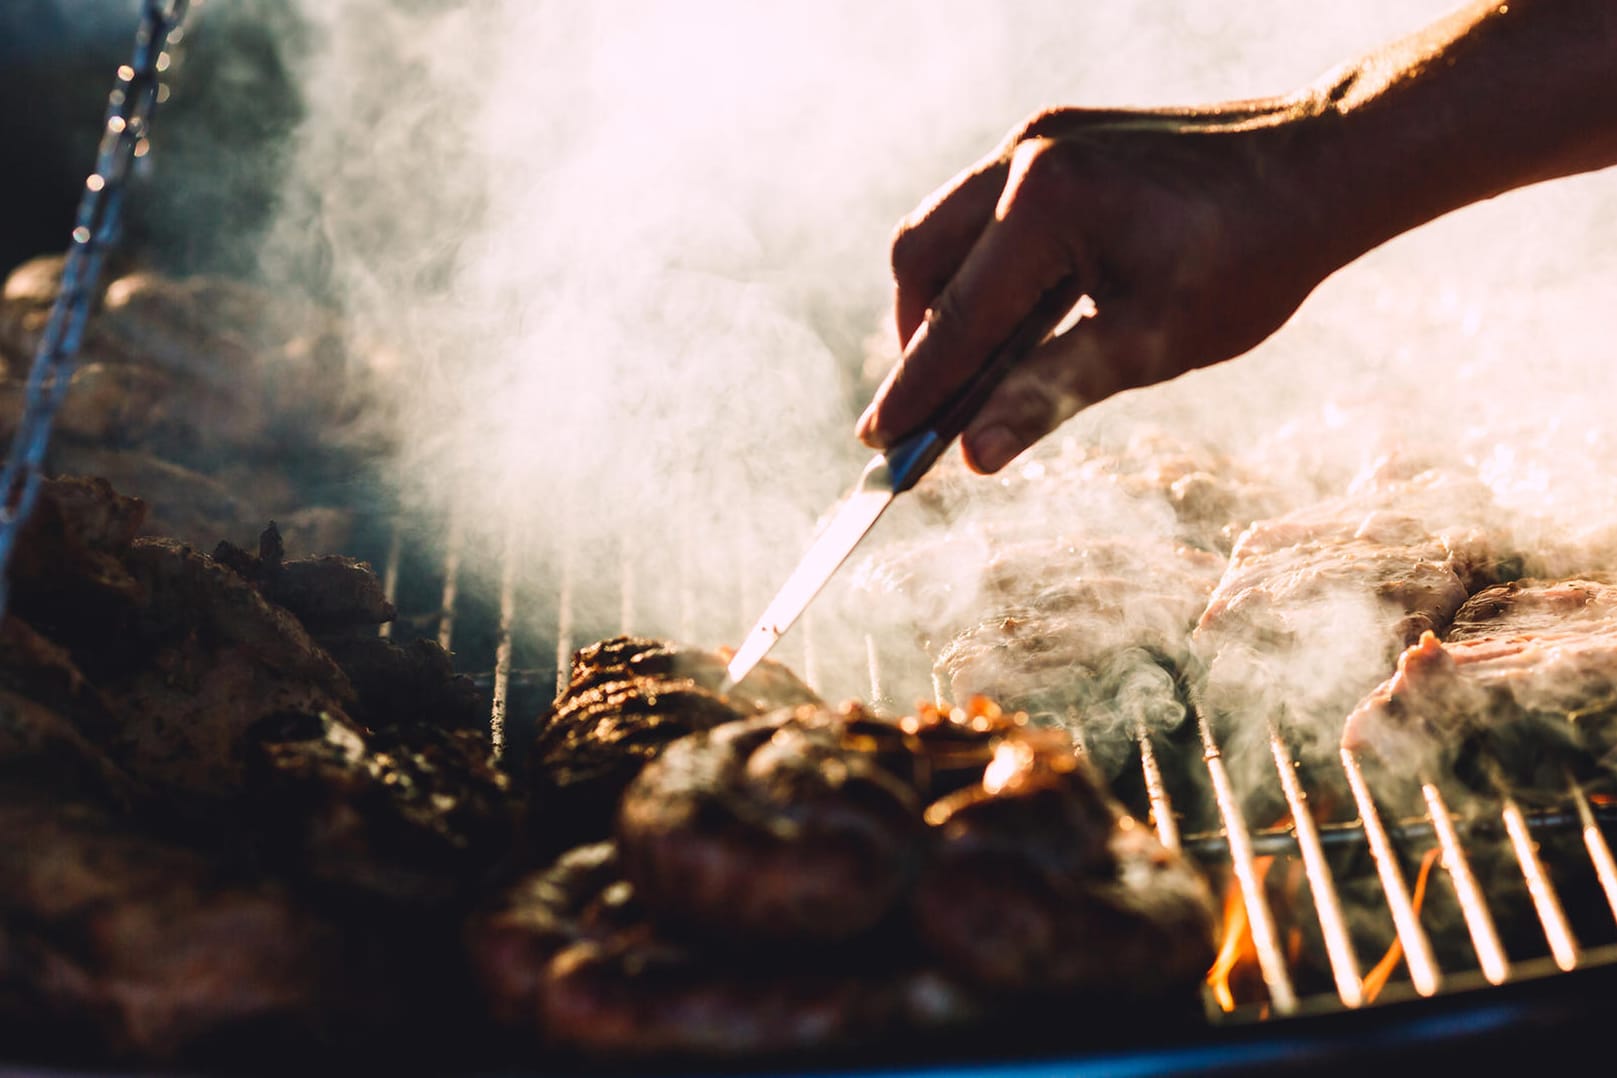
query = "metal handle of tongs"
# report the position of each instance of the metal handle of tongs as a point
(913, 455)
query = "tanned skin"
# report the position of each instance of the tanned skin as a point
(1196, 233)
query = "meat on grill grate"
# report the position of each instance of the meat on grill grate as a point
(1527, 668)
(814, 878)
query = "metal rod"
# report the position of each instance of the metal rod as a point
(878, 691)
(1594, 840)
(1260, 919)
(1156, 792)
(1423, 970)
(502, 647)
(390, 577)
(1558, 933)
(564, 614)
(1327, 905)
(626, 587)
(1478, 920)
(449, 598)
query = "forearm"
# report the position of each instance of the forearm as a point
(1497, 96)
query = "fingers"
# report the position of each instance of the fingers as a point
(930, 244)
(1066, 374)
(1016, 259)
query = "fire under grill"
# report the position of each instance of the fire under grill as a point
(1345, 888)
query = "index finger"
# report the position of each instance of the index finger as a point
(1014, 263)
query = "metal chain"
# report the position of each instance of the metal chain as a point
(96, 230)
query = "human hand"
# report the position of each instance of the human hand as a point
(1192, 233)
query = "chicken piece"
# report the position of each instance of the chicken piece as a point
(785, 826)
(1527, 675)
(770, 685)
(593, 743)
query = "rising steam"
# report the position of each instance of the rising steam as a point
(632, 257)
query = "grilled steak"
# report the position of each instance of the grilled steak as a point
(1315, 605)
(1528, 673)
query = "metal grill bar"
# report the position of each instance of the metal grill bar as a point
(1156, 791)
(448, 598)
(502, 646)
(1260, 919)
(1235, 844)
(1563, 947)
(1478, 919)
(1321, 884)
(1594, 840)
(1423, 970)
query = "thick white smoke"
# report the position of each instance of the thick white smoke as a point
(633, 257)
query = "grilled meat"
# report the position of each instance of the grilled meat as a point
(625, 658)
(332, 595)
(413, 816)
(219, 659)
(135, 947)
(1039, 882)
(1315, 605)
(568, 956)
(1090, 625)
(1528, 674)
(784, 826)
(627, 699)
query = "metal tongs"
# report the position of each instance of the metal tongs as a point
(888, 475)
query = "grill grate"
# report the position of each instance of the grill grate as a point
(1337, 855)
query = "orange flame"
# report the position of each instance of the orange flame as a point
(1237, 951)
(1377, 978)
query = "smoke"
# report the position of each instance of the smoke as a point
(631, 260)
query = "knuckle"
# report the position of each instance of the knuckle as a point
(906, 252)
(948, 316)
(1043, 173)
(1044, 123)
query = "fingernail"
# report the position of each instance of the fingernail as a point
(866, 421)
(993, 447)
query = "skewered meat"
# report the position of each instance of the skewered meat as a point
(785, 826)
(569, 956)
(1529, 666)
(627, 700)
